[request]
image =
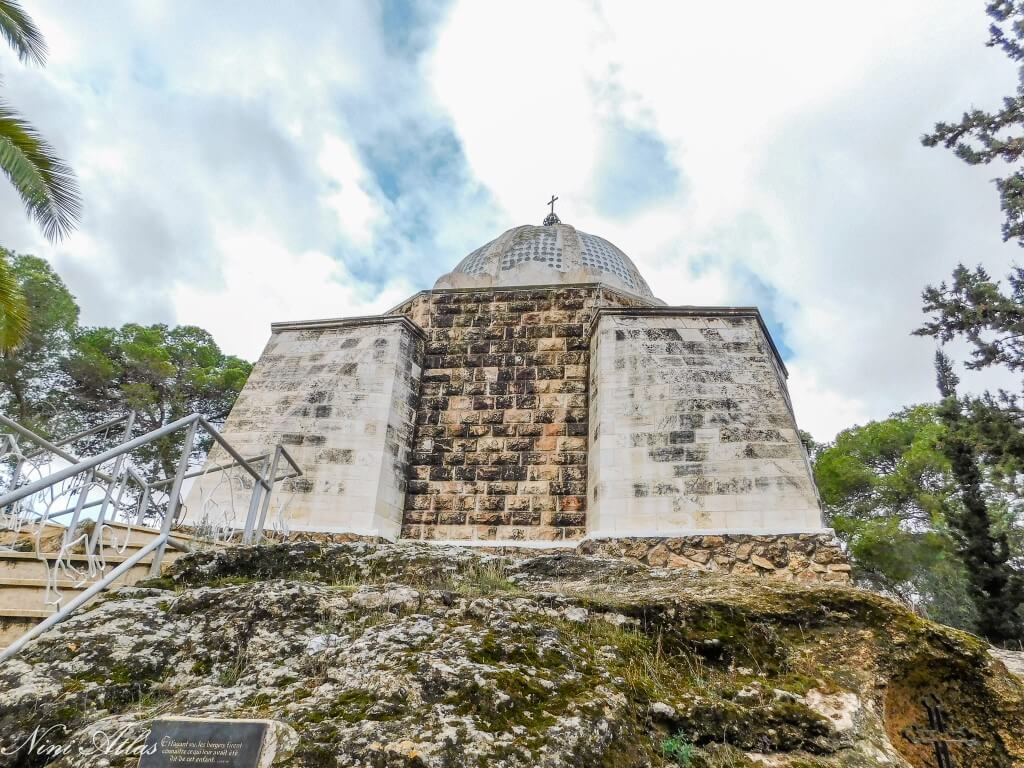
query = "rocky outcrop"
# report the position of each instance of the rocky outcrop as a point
(410, 655)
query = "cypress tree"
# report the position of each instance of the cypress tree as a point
(995, 587)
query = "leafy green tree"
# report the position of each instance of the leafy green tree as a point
(44, 182)
(32, 380)
(995, 587)
(160, 373)
(886, 486)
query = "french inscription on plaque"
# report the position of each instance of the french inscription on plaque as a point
(188, 743)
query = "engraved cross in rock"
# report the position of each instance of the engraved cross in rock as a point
(937, 733)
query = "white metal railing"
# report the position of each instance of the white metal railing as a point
(71, 511)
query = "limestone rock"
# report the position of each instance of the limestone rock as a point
(386, 655)
(762, 563)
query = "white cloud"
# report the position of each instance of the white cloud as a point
(264, 282)
(356, 210)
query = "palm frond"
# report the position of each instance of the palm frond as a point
(21, 32)
(46, 184)
(14, 314)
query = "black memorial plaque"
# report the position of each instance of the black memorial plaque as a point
(203, 744)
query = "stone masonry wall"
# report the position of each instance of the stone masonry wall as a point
(691, 428)
(500, 449)
(801, 557)
(340, 395)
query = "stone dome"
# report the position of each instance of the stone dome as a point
(552, 253)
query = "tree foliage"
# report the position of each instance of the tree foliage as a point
(14, 308)
(981, 137)
(976, 308)
(45, 183)
(32, 380)
(984, 436)
(886, 486)
(160, 373)
(64, 378)
(996, 589)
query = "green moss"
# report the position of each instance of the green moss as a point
(202, 667)
(257, 701)
(67, 714)
(782, 726)
(158, 582)
(316, 755)
(494, 650)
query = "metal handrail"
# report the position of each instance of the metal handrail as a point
(255, 519)
(77, 436)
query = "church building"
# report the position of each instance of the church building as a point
(538, 395)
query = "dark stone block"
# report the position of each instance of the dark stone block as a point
(567, 518)
(550, 372)
(489, 473)
(568, 489)
(491, 503)
(223, 743)
(525, 517)
(513, 473)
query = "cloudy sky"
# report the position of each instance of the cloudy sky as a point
(242, 164)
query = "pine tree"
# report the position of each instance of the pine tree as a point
(995, 587)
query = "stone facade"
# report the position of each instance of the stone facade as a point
(803, 557)
(500, 450)
(340, 396)
(494, 411)
(691, 427)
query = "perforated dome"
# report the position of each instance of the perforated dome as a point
(553, 253)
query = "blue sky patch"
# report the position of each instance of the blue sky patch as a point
(635, 172)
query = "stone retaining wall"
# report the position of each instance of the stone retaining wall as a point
(802, 557)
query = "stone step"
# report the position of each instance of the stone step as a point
(33, 568)
(16, 622)
(32, 596)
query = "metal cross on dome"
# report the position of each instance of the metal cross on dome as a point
(551, 218)
(937, 733)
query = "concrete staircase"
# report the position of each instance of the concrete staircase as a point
(23, 574)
